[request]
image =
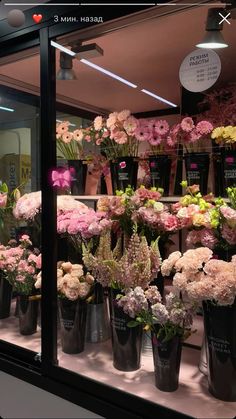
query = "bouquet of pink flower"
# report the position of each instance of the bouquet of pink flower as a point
(158, 134)
(192, 136)
(20, 265)
(142, 208)
(79, 226)
(118, 135)
(202, 278)
(136, 265)
(167, 319)
(69, 143)
(29, 206)
(72, 282)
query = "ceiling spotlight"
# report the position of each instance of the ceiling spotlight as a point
(66, 64)
(213, 38)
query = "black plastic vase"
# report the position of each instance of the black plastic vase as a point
(28, 314)
(160, 169)
(220, 329)
(197, 170)
(73, 325)
(5, 296)
(78, 172)
(124, 173)
(229, 168)
(166, 357)
(126, 341)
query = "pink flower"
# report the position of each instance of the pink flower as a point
(62, 128)
(87, 138)
(155, 139)
(111, 121)
(130, 125)
(169, 222)
(120, 137)
(208, 239)
(142, 134)
(3, 200)
(229, 234)
(229, 214)
(67, 137)
(204, 127)
(123, 115)
(194, 136)
(187, 124)
(98, 123)
(78, 135)
(161, 127)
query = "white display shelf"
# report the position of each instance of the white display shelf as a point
(191, 398)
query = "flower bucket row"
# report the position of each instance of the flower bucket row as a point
(121, 138)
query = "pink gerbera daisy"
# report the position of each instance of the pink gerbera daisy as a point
(155, 139)
(161, 127)
(142, 134)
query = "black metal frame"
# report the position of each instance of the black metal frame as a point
(95, 396)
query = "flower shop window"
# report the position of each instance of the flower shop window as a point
(20, 257)
(140, 140)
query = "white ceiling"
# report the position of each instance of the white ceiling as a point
(148, 54)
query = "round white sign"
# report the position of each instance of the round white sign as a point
(200, 70)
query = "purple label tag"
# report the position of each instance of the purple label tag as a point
(193, 166)
(229, 160)
(122, 165)
(152, 164)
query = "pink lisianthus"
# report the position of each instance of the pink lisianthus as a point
(169, 222)
(208, 238)
(229, 214)
(229, 234)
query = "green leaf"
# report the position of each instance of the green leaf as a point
(4, 188)
(133, 323)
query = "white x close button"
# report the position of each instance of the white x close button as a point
(224, 18)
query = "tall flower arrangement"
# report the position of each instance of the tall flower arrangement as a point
(192, 135)
(143, 208)
(136, 265)
(69, 143)
(116, 135)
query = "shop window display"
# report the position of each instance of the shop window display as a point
(146, 224)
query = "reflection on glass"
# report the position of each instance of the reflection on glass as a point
(20, 258)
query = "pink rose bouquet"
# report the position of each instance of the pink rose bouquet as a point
(21, 265)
